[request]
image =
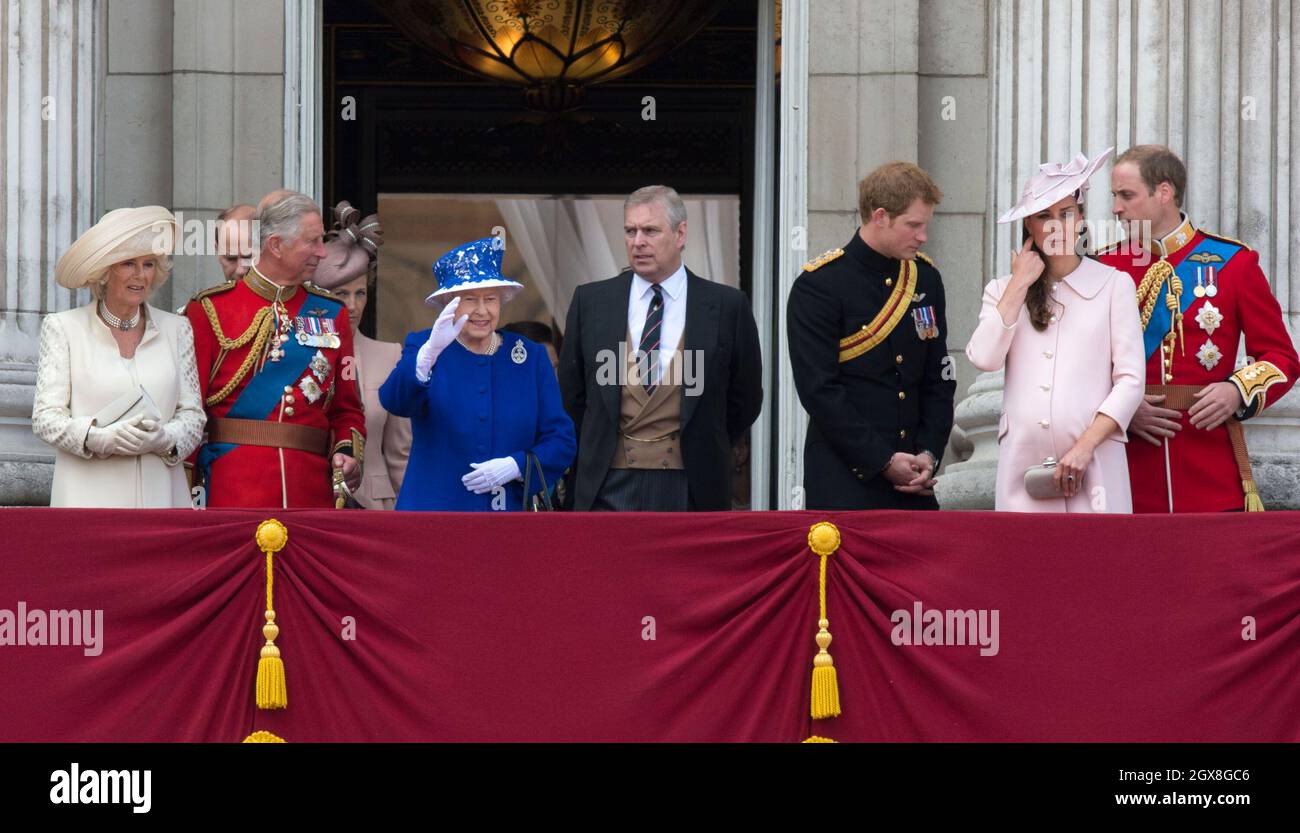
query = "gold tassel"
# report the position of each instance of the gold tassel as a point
(813, 739)
(267, 737)
(271, 693)
(1253, 502)
(823, 540)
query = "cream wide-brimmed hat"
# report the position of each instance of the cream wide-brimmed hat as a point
(1053, 182)
(121, 234)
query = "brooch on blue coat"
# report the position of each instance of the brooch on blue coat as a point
(518, 354)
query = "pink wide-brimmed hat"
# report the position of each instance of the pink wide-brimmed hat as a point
(1053, 182)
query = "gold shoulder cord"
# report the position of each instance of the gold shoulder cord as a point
(1149, 290)
(259, 329)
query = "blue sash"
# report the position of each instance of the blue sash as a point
(1158, 326)
(262, 393)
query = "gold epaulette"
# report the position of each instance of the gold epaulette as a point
(1220, 237)
(324, 293)
(213, 290)
(926, 258)
(822, 259)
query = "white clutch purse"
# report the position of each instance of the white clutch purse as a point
(127, 406)
(1038, 480)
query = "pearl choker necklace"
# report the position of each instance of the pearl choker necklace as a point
(496, 342)
(114, 321)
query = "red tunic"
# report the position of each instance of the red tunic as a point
(320, 394)
(1203, 474)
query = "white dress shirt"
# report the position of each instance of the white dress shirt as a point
(638, 306)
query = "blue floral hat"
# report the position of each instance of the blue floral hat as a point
(475, 265)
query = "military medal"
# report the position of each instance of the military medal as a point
(316, 332)
(320, 366)
(281, 330)
(1209, 355)
(309, 388)
(1199, 291)
(926, 323)
(518, 354)
(1211, 281)
(1209, 318)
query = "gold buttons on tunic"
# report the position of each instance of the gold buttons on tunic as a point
(902, 395)
(288, 388)
(288, 411)
(889, 281)
(288, 399)
(898, 359)
(902, 435)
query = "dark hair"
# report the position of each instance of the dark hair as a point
(531, 330)
(1036, 299)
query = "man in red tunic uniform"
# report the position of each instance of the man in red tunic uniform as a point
(1198, 294)
(274, 359)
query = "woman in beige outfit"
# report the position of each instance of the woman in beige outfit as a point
(117, 391)
(348, 271)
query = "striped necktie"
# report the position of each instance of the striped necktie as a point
(649, 344)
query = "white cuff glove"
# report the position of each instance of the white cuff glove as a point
(486, 476)
(156, 440)
(444, 332)
(120, 438)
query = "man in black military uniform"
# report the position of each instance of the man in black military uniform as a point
(868, 345)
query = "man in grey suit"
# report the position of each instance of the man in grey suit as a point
(660, 371)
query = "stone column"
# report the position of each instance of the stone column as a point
(955, 126)
(1213, 80)
(226, 109)
(859, 66)
(48, 80)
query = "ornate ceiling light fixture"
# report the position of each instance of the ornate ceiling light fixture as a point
(553, 49)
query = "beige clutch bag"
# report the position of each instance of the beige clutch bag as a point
(126, 406)
(1038, 480)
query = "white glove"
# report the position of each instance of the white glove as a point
(444, 332)
(121, 438)
(488, 475)
(156, 440)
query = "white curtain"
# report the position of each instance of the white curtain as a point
(566, 241)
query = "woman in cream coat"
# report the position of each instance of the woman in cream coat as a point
(117, 391)
(1067, 330)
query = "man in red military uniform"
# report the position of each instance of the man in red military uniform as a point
(283, 414)
(1197, 294)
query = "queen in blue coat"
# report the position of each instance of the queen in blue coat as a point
(479, 401)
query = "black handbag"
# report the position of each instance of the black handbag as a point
(536, 501)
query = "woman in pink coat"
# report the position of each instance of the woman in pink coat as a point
(1067, 330)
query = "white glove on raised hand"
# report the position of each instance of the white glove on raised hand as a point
(444, 332)
(121, 438)
(156, 440)
(488, 475)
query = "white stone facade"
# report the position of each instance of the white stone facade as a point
(979, 92)
(188, 103)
